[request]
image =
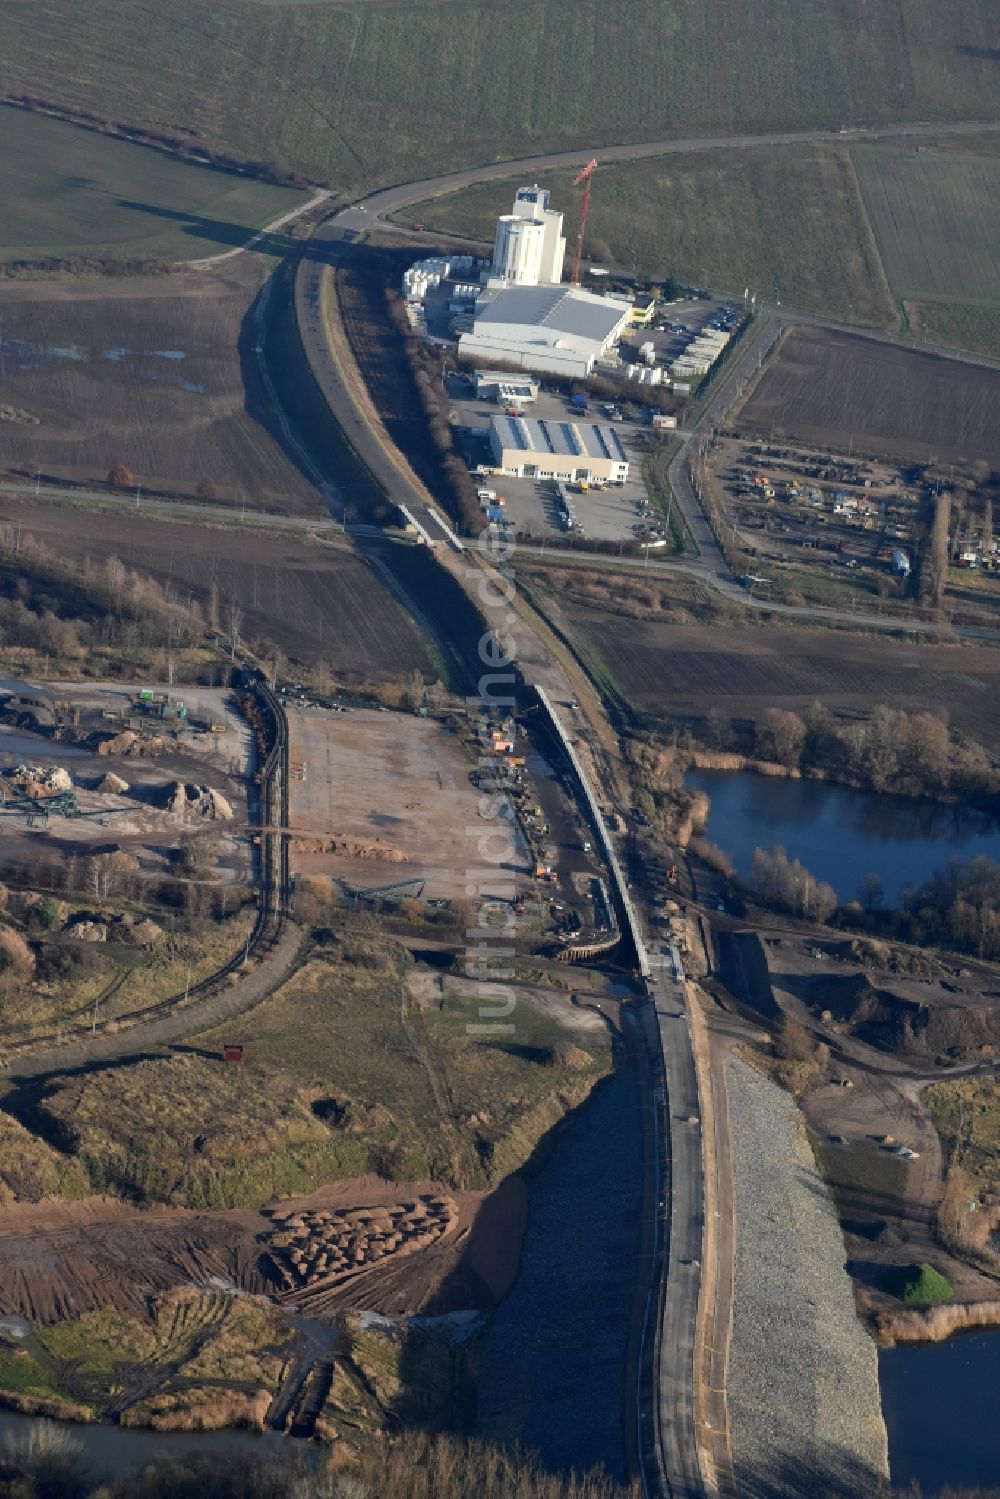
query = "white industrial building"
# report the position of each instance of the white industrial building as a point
(529, 249)
(557, 330)
(509, 390)
(577, 452)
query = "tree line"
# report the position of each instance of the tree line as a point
(912, 754)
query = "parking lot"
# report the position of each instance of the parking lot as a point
(532, 505)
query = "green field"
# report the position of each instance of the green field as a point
(974, 326)
(387, 90)
(936, 219)
(787, 223)
(343, 1075)
(73, 193)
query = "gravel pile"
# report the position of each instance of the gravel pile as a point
(803, 1387)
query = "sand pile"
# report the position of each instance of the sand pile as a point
(352, 848)
(121, 744)
(199, 801)
(129, 743)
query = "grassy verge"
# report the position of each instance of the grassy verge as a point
(868, 1184)
(76, 195)
(789, 224)
(656, 473)
(342, 1074)
(966, 1114)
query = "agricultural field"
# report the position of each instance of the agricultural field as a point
(844, 393)
(972, 326)
(311, 600)
(359, 94)
(936, 219)
(788, 223)
(687, 670)
(156, 373)
(72, 193)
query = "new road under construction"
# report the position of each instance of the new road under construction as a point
(671, 1456)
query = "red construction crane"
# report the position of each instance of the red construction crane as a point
(586, 177)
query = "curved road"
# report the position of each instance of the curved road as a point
(359, 215)
(674, 1401)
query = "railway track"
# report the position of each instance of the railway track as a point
(273, 877)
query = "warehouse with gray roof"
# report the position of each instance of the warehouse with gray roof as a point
(577, 452)
(557, 330)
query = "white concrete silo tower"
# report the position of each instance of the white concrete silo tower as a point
(533, 203)
(518, 250)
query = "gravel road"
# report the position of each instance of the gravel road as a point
(803, 1387)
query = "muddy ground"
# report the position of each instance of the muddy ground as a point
(315, 601)
(686, 670)
(59, 1260)
(157, 373)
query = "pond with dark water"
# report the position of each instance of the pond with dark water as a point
(839, 834)
(110, 1451)
(941, 1403)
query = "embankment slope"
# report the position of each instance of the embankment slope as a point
(803, 1388)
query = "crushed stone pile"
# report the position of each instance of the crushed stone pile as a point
(112, 783)
(46, 778)
(200, 801)
(88, 931)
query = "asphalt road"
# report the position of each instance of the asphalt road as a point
(359, 216)
(675, 1395)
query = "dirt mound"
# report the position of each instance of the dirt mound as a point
(898, 1023)
(198, 801)
(352, 848)
(112, 783)
(144, 934)
(128, 743)
(121, 744)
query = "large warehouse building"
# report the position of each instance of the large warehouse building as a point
(557, 330)
(580, 452)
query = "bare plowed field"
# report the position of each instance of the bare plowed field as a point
(157, 373)
(686, 670)
(837, 390)
(315, 602)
